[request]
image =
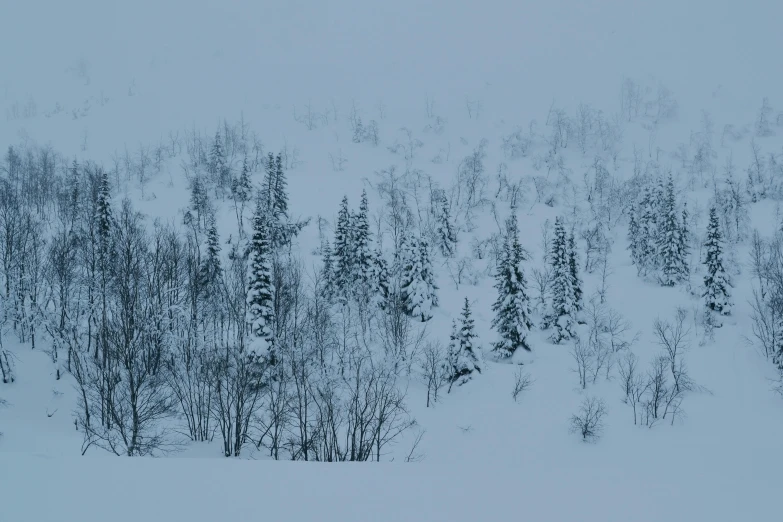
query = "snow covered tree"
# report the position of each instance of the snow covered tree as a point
(343, 253)
(360, 229)
(673, 261)
(417, 280)
(716, 282)
(647, 233)
(199, 199)
(358, 131)
(573, 265)
(103, 211)
(685, 238)
(563, 310)
(268, 187)
(380, 278)
(279, 194)
(243, 187)
(327, 271)
(217, 162)
(447, 236)
(463, 353)
(512, 307)
(261, 289)
(634, 243)
(210, 270)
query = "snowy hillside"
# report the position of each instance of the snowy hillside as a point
(525, 259)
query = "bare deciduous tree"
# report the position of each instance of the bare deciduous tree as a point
(589, 422)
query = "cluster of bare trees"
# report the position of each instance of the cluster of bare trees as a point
(609, 336)
(151, 321)
(767, 302)
(658, 393)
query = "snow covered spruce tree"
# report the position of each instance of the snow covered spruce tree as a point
(360, 238)
(512, 307)
(417, 283)
(343, 258)
(218, 166)
(261, 290)
(210, 270)
(634, 245)
(463, 357)
(380, 278)
(716, 282)
(563, 309)
(573, 266)
(447, 236)
(672, 257)
(645, 243)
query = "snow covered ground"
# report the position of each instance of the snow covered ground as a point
(96, 79)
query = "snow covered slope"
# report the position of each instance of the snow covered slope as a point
(104, 81)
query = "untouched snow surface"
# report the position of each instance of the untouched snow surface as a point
(127, 74)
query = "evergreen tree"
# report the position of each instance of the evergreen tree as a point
(381, 278)
(358, 131)
(563, 310)
(210, 270)
(573, 265)
(659, 202)
(279, 194)
(684, 246)
(647, 234)
(633, 236)
(417, 282)
(261, 289)
(327, 271)
(103, 211)
(447, 237)
(463, 353)
(243, 188)
(199, 199)
(512, 306)
(344, 259)
(268, 187)
(360, 229)
(673, 263)
(716, 282)
(217, 161)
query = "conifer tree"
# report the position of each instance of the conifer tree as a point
(344, 259)
(103, 211)
(673, 263)
(716, 282)
(561, 316)
(217, 161)
(634, 244)
(447, 237)
(573, 265)
(211, 270)
(199, 199)
(268, 187)
(261, 289)
(381, 278)
(327, 271)
(279, 194)
(417, 280)
(361, 243)
(243, 188)
(512, 307)
(647, 234)
(463, 352)
(358, 131)
(684, 246)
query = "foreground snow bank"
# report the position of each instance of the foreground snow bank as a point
(41, 489)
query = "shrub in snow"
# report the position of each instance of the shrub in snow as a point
(589, 422)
